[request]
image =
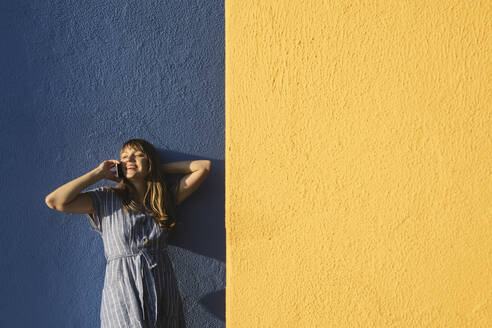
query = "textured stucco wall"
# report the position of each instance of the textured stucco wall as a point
(77, 80)
(358, 159)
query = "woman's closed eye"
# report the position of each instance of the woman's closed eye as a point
(138, 155)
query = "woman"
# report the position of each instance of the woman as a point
(134, 219)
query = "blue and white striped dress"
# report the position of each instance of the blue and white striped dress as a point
(140, 287)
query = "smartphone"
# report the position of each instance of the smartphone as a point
(119, 171)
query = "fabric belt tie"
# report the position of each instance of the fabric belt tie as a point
(148, 255)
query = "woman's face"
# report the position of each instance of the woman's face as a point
(134, 163)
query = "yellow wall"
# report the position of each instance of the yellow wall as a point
(358, 142)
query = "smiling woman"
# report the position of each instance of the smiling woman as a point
(142, 187)
(134, 219)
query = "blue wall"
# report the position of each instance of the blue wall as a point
(77, 80)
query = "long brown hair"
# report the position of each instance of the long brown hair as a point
(159, 201)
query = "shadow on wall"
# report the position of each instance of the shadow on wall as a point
(197, 247)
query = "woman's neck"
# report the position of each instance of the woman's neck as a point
(141, 189)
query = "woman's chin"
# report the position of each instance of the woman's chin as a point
(129, 174)
(133, 177)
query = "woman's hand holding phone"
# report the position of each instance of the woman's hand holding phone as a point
(105, 172)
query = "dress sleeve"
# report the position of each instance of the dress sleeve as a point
(99, 202)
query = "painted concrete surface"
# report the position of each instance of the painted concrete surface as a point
(358, 159)
(78, 79)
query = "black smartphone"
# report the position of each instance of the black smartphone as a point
(119, 171)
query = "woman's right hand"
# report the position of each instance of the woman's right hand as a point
(104, 170)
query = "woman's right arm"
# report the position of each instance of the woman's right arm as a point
(68, 198)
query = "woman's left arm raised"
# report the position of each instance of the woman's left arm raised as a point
(195, 173)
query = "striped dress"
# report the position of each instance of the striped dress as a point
(140, 287)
